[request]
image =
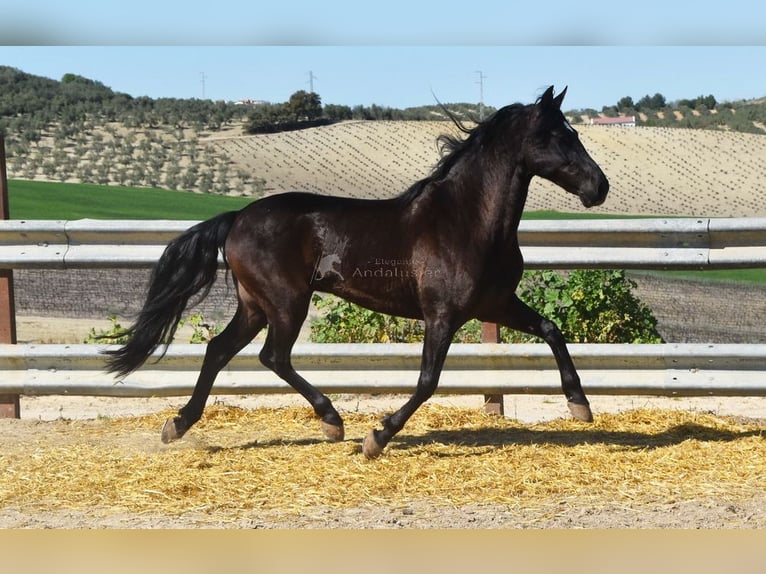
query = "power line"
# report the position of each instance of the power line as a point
(312, 77)
(481, 93)
(203, 77)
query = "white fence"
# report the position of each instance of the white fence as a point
(696, 243)
(490, 369)
(690, 243)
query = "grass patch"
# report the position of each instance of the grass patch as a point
(52, 200)
(557, 215)
(750, 276)
(55, 200)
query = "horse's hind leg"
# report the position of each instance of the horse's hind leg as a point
(243, 327)
(284, 326)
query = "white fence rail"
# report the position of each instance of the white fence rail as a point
(692, 243)
(490, 369)
(689, 243)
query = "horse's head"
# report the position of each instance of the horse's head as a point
(553, 151)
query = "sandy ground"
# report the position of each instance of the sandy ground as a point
(524, 408)
(47, 416)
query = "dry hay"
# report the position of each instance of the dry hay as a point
(237, 461)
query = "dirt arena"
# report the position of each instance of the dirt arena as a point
(62, 422)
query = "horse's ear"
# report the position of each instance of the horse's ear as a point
(560, 98)
(546, 100)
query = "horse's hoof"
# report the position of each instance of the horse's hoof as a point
(581, 412)
(370, 447)
(170, 432)
(334, 433)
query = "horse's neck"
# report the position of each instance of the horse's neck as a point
(492, 199)
(516, 199)
(501, 199)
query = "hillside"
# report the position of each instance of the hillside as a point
(652, 170)
(78, 130)
(664, 171)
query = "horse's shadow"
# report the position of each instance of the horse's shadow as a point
(496, 438)
(628, 440)
(266, 444)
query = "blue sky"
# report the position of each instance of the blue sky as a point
(394, 53)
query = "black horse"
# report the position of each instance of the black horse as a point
(444, 251)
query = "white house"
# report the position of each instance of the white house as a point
(625, 121)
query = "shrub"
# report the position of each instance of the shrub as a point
(589, 306)
(202, 331)
(115, 335)
(344, 322)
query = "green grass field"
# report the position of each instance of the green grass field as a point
(65, 201)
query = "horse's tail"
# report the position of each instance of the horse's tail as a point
(187, 266)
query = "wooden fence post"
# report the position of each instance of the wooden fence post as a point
(493, 404)
(9, 404)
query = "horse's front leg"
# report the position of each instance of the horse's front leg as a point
(438, 337)
(521, 317)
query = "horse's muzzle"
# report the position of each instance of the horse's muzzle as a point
(597, 196)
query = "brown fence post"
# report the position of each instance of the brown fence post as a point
(9, 404)
(493, 404)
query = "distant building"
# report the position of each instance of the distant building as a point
(625, 121)
(249, 102)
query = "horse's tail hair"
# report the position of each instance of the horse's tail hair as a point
(187, 266)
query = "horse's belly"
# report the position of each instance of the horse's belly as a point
(383, 296)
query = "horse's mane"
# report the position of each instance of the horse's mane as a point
(453, 148)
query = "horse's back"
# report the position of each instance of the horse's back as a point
(303, 202)
(293, 231)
